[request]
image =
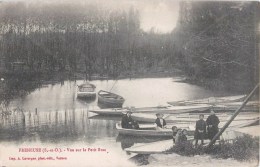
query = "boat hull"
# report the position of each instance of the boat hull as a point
(86, 90)
(86, 94)
(210, 100)
(147, 132)
(110, 99)
(167, 132)
(154, 110)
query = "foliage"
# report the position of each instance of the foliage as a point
(217, 42)
(78, 38)
(243, 148)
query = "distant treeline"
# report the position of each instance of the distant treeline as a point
(214, 43)
(79, 38)
(218, 43)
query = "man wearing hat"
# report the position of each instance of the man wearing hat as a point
(212, 123)
(127, 121)
(160, 122)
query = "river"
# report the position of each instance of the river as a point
(53, 115)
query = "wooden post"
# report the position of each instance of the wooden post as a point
(233, 116)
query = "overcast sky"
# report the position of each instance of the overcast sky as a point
(161, 15)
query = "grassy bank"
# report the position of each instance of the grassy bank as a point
(242, 149)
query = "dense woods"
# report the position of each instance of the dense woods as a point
(214, 43)
(218, 42)
(77, 38)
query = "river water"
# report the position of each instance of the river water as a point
(53, 115)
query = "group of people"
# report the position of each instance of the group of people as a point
(206, 129)
(203, 129)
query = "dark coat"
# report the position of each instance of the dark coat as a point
(127, 122)
(212, 122)
(200, 130)
(158, 122)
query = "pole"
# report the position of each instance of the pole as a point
(233, 116)
(113, 86)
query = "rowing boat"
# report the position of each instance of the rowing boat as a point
(210, 100)
(110, 99)
(231, 106)
(152, 130)
(173, 118)
(86, 90)
(158, 109)
(144, 131)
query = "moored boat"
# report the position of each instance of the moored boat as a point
(158, 109)
(210, 100)
(187, 118)
(86, 90)
(231, 106)
(151, 130)
(110, 99)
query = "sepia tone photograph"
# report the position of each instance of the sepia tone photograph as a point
(127, 83)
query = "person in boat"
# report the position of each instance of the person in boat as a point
(128, 122)
(174, 133)
(200, 130)
(160, 122)
(212, 123)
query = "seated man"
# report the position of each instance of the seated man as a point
(128, 122)
(160, 122)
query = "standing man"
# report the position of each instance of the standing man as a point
(212, 122)
(200, 130)
(127, 121)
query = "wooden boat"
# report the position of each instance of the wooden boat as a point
(210, 100)
(86, 90)
(110, 111)
(146, 130)
(110, 99)
(158, 109)
(151, 130)
(157, 147)
(231, 106)
(173, 118)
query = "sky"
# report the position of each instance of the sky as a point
(161, 15)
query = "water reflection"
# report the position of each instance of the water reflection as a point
(57, 126)
(53, 113)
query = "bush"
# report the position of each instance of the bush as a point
(242, 148)
(187, 149)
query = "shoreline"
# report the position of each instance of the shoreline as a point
(195, 161)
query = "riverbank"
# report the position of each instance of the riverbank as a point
(196, 161)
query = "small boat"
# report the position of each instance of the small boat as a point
(250, 106)
(188, 118)
(110, 99)
(110, 111)
(150, 130)
(210, 100)
(157, 147)
(86, 90)
(158, 109)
